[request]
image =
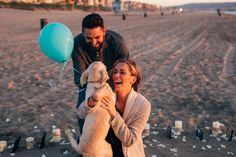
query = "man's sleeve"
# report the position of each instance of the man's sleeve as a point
(122, 50)
(76, 65)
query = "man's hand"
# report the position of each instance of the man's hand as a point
(92, 101)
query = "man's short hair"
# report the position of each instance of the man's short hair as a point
(92, 21)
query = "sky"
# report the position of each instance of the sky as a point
(179, 2)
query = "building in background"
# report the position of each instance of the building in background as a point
(124, 6)
(118, 6)
(33, 1)
(104, 3)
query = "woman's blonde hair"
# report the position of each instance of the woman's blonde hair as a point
(134, 70)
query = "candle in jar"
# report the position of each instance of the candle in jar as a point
(56, 135)
(178, 126)
(146, 130)
(216, 127)
(29, 142)
(3, 145)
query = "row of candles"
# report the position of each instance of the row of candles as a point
(56, 137)
(56, 134)
(178, 128)
(215, 127)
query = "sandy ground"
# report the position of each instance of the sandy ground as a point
(188, 64)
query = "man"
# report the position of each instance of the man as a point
(95, 43)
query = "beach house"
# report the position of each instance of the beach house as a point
(124, 6)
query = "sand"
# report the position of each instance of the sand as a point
(188, 64)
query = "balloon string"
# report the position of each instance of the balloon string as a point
(52, 83)
(62, 71)
(75, 70)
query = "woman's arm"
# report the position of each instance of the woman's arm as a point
(128, 133)
(129, 130)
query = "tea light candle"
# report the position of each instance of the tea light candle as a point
(216, 127)
(146, 130)
(29, 142)
(3, 145)
(56, 135)
(147, 127)
(178, 126)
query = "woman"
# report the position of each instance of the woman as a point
(130, 112)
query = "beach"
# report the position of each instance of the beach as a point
(188, 62)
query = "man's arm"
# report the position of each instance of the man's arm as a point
(122, 49)
(76, 70)
(117, 45)
(76, 63)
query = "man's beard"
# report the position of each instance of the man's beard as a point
(96, 48)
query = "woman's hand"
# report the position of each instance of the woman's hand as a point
(109, 105)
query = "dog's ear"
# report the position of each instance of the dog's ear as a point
(104, 76)
(84, 77)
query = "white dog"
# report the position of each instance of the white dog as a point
(96, 125)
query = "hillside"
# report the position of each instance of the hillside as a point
(210, 6)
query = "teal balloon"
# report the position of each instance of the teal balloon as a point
(56, 42)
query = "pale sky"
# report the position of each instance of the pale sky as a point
(179, 2)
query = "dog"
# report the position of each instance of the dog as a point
(96, 125)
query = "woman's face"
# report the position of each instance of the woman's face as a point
(122, 77)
